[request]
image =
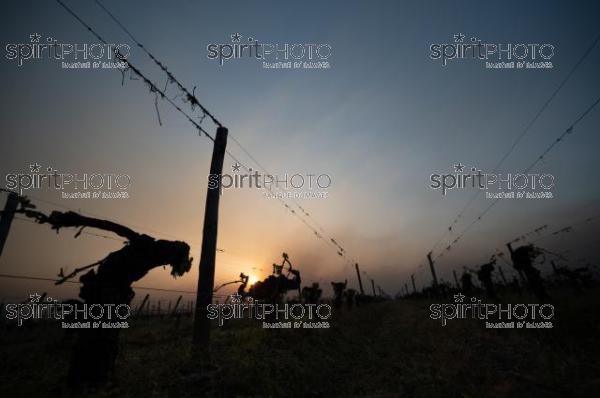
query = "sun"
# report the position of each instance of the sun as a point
(252, 279)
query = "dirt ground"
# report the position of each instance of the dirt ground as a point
(388, 349)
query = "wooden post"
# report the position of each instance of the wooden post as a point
(362, 291)
(412, 278)
(373, 286)
(174, 312)
(141, 307)
(433, 275)
(206, 278)
(7, 216)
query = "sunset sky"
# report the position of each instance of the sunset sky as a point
(379, 122)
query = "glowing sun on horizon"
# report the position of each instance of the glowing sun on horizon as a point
(252, 279)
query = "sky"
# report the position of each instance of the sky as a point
(379, 121)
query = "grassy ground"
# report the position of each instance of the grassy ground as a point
(390, 349)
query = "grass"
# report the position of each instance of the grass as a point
(389, 349)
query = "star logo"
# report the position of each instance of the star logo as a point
(236, 298)
(459, 167)
(35, 298)
(236, 37)
(458, 298)
(35, 38)
(35, 167)
(459, 37)
(235, 167)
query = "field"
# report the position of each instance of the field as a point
(388, 349)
